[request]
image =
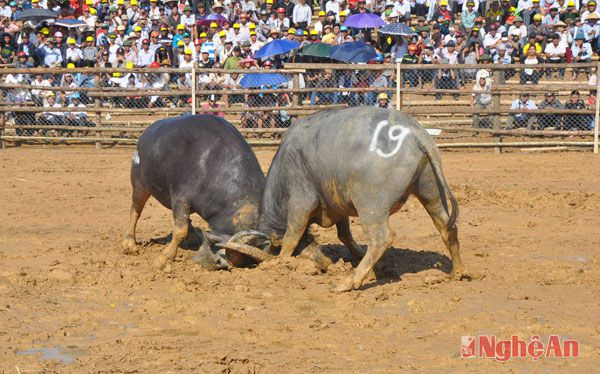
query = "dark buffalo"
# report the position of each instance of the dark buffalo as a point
(362, 162)
(196, 164)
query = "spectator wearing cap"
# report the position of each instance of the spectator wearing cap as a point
(288, 5)
(442, 12)
(468, 15)
(318, 26)
(120, 33)
(410, 76)
(89, 52)
(74, 54)
(255, 43)
(145, 56)
(189, 20)
(571, 12)
(535, 27)
(180, 30)
(581, 52)
(522, 119)
(164, 36)
(590, 9)
(282, 22)
(232, 62)
(447, 78)
(225, 50)
(23, 61)
(130, 50)
(77, 118)
(575, 121)
(591, 28)
(551, 18)
(518, 28)
(555, 53)
(494, 13)
(51, 118)
(302, 15)
(52, 55)
(549, 120)
(209, 47)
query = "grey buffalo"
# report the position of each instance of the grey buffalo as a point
(362, 162)
(196, 164)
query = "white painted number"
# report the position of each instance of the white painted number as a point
(395, 133)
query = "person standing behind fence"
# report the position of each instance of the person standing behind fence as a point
(521, 119)
(410, 76)
(549, 120)
(447, 78)
(575, 121)
(481, 99)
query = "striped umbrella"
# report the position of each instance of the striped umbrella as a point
(397, 29)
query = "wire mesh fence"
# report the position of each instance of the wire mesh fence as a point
(479, 103)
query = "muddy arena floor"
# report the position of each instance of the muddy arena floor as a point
(71, 301)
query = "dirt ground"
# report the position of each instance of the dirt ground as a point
(71, 301)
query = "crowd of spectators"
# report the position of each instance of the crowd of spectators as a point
(124, 34)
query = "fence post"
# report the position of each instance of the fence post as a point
(597, 116)
(497, 122)
(98, 121)
(398, 83)
(2, 125)
(194, 88)
(296, 84)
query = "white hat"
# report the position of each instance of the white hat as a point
(58, 34)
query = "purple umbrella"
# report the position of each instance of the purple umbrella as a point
(219, 19)
(364, 21)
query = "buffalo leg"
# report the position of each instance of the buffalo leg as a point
(180, 230)
(434, 201)
(345, 236)
(296, 226)
(139, 197)
(310, 249)
(439, 214)
(380, 238)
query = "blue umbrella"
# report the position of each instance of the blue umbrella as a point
(276, 47)
(364, 21)
(70, 23)
(353, 52)
(397, 29)
(259, 80)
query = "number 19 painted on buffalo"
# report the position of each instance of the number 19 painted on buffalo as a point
(396, 133)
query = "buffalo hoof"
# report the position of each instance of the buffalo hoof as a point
(160, 262)
(315, 254)
(461, 274)
(344, 286)
(209, 261)
(129, 246)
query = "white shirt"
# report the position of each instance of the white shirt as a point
(302, 13)
(551, 49)
(145, 58)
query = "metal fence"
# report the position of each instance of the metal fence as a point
(483, 105)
